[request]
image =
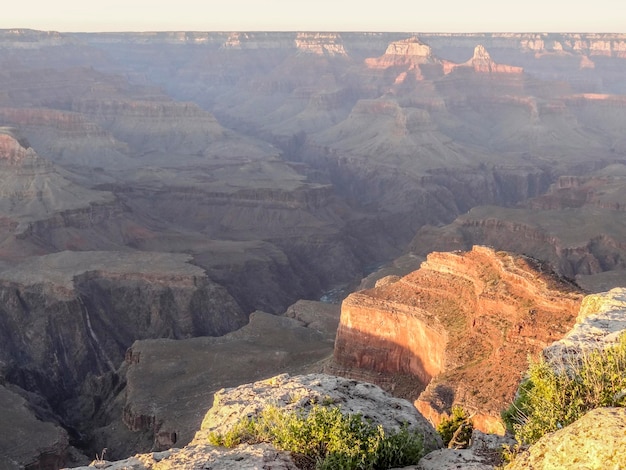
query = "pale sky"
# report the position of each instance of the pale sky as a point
(317, 15)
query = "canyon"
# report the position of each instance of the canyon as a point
(175, 199)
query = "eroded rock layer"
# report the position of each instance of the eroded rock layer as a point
(68, 318)
(462, 325)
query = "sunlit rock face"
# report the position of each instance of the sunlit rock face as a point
(462, 326)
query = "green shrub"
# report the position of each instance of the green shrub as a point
(553, 397)
(456, 431)
(327, 439)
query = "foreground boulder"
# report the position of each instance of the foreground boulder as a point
(595, 441)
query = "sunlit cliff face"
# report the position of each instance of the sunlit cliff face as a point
(462, 325)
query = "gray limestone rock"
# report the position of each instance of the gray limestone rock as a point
(594, 442)
(301, 392)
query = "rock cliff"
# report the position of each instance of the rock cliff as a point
(577, 226)
(482, 62)
(461, 326)
(154, 412)
(26, 440)
(68, 318)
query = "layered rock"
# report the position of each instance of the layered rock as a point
(462, 326)
(320, 43)
(68, 319)
(408, 57)
(35, 193)
(162, 413)
(68, 138)
(576, 226)
(481, 62)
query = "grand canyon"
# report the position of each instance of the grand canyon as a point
(186, 212)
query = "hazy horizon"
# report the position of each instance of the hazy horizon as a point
(451, 16)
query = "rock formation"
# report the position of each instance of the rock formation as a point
(577, 226)
(297, 392)
(26, 440)
(481, 62)
(68, 318)
(161, 416)
(600, 322)
(462, 326)
(595, 441)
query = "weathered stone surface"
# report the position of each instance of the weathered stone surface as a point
(484, 453)
(301, 392)
(596, 441)
(462, 326)
(26, 441)
(243, 457)
(600, 323)
(297, 392)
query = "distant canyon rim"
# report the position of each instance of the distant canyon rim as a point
(209, 188)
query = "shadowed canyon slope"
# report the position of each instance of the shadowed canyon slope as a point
(462, 326)
(168, 185)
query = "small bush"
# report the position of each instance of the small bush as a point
(456, 431)
(553, 397)
(327, 439)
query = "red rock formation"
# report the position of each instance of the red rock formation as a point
(481, 62)
(410, 56)
(462, 325)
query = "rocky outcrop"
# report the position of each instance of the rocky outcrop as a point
(575, 226)
(320, 43)
(462, 326)
(285, 392)
(481, 62)
(600, 322)
(483, 453)
(302, 392)
(408, 57)
(596, 441)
